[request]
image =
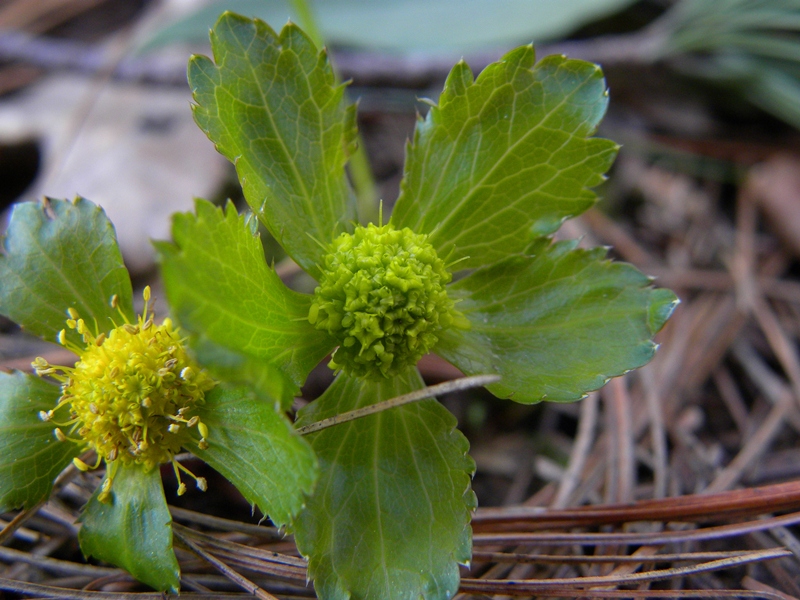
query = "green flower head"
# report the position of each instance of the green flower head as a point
(382, 296)
(465, 268)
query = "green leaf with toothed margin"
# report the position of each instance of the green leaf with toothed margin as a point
(222, 292)
(272, 107)
(57, 255)
(555, 323)
(133, 530)
(254, 446)
(505, 158)
(30, 455)
(389, 517)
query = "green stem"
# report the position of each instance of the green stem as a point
(360, 171)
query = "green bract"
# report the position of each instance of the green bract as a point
(133, 399)
(491, 173)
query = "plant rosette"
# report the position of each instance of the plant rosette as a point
(465, 268)
(132, 401)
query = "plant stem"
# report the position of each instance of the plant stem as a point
(456, 385)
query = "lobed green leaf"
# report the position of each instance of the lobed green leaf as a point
(256, 448)
(390, 514)
(221, 290)
(505, 158)
(556, 323)
(133, 530)
(61, 254)
(272, 106)
(30, 456)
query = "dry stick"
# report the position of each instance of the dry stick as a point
(741, 503)
(753, 584)
(47, 591)
(182, 514)
(662, 537)
(220, 566)
(660, 594)
(623, 558)
(541, 585)
(281, 564)
(619, 403)
(54, 565)
(658, 433)
(580, 451)
(456, 385)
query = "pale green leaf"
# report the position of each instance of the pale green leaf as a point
(30, 455)
(390, 514)
(555, 324)
(221, 289)
(255, 447)
(134, 529)
(505, 158)
(58, 255)
(272, 106)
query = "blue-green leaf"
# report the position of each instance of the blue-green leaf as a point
(272, 106)
(256, 448)
(390, 515)
(556, 323)
(30, 456)
(134, 529)
(505, 158)
(58, 255)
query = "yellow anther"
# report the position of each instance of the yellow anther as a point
(73, 314)
(59, 435)
(187, 373)
(100, 339)
(146, 293)
(174, 428)
(181, 489)
(62, 337)
(114, 301)
(203, 429)
(80, 465)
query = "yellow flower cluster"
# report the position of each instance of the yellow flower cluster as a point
(131, 394)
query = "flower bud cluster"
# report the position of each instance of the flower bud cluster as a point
(383, 297)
